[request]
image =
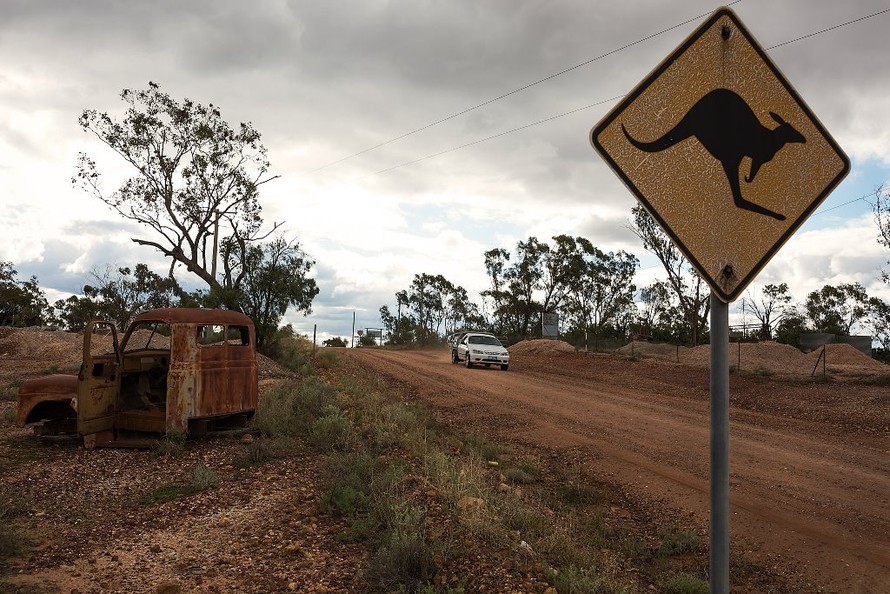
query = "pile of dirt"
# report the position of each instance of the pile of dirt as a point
(541, 346)
(654, 350)
(844, 358)
(766, 357)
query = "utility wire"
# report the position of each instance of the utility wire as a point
(863, 197)
(492, 137)
(509, 93)
(828, 29)
(573, 111)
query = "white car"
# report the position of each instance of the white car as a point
(480, 348)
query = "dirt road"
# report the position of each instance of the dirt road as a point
(810, 462)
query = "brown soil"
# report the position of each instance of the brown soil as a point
(809, 486)
(810, 470)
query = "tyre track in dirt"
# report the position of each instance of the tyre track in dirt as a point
(796, 493)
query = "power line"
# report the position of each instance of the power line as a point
(492, 137)
(863, 197)
(509, 93)
(579, 109)
(828, 29)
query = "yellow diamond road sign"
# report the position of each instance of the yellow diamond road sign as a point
(722, 152)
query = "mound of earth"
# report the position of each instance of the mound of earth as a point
(655, 350)
(766, 357)
(541, 345)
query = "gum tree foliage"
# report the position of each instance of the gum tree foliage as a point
(880, 321)
(274, 278)
(659, 317)
(881, 210)
(119, 295)
(691, 292)
(836, 309)
(192, 174)
(774, 304)
(599, 289)
(514, 285)
(432, 303)
(399, 328)
(536, 280)
(22, 302)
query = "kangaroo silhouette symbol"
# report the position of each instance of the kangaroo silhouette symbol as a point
(728, 128)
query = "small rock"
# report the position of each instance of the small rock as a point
(550, 590)
(247, 439)
(292, 586)
(224, 521)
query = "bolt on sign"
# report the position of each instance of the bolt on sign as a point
(723, 153)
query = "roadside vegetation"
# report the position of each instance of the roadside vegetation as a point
(424, 500)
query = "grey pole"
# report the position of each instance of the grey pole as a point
(719, 563)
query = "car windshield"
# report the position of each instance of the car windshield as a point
(484, 340)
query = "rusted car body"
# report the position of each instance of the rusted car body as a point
(175, 370)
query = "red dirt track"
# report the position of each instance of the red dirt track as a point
(809, 462)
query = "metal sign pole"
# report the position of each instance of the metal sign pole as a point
(719, 563)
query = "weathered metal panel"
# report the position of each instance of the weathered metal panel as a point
(98, 385)
(182, 385)
(228, 378)
(52, 388)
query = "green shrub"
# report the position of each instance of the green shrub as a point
(678, 542)
(396, 424)
(332, 431)
(578, 581)
(264, 449)
(172, 444)
(326, 358)
(475, 445)
(575, 495)
(204, 477)
(519, 476)
(404, 557)
(292, 407)
(685, 584)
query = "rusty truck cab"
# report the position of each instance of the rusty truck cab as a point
(175, 370)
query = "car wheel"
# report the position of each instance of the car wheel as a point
(505, 367)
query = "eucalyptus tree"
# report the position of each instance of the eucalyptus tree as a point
(119, 295)
(692, 293)
(22, 302)
(600, 291)
(769, 310)
(837, 309)
(194, 186)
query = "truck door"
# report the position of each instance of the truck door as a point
(98, 380)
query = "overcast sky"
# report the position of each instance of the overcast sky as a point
(329, 79)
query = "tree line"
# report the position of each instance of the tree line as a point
(594, 293)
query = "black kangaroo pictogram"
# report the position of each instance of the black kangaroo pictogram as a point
(728, 128)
